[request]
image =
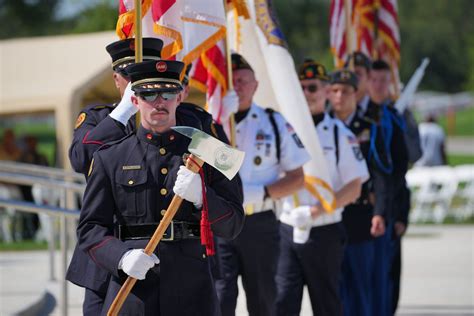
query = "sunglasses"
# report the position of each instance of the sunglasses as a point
(152, 96)
(311, 88)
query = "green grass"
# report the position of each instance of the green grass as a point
(455, 160)
(464, 123)
(23, 245)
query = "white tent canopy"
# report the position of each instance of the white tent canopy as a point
(58, 74)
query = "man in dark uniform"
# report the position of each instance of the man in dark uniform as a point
(100, 124)
(129, 188)
(363, 219)
(394, 162)
(95, 126)
(362, 65)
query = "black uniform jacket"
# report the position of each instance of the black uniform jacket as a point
(94, 128)
(131, 182)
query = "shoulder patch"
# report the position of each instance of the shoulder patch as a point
(90, 168)
(80, 119)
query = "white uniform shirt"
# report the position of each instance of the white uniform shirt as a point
(432, 140)
(256, 137)
(351, 166)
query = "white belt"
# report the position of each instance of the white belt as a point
(324, 219)
(253, 208)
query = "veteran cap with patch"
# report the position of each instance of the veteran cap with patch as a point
(161, 75)
(344, 76)
(239, 62)
(312, 70)
(360, 59)
(123, 52)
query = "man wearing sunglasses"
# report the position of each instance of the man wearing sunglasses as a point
(95, 126)
(129, 189)
(308, 233)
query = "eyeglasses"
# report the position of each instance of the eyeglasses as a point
(152, 96)
(311, 88)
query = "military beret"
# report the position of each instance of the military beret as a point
(162, 75)
(238, 62)
(312, 70)
(344, 76)
(123, 52)
(360, 59)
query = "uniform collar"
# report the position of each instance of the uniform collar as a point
(157, 139)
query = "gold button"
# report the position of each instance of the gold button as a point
(162, 151)
(163, 212)
(163, 191)
(164, 171)
(130, 182)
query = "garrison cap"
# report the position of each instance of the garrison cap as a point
(360, 59)
(152, 75)
(239, 62)
(312, 70)
(345, 76)
(123, 52)
(380, 65)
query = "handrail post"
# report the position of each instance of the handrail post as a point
(51, 247)
(63, 242)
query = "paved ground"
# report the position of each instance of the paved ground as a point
(438, 276)
(460, 145)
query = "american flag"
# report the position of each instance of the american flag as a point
(374, 30)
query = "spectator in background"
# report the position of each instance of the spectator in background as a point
(8, 148)
(432, 142)
(28, 223)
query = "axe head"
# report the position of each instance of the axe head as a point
(212, 151)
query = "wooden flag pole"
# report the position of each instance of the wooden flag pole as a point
(230, 83)
(349, 37)
(138, 44)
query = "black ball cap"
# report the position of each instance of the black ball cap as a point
(360, 59)
(345, 77)
(123, 52)
(239, 62)
(161, 75)
(312, 70)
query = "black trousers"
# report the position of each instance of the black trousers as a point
(93, 302)
(253, 255)
(316, 263)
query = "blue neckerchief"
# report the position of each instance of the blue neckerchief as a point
(386, 129)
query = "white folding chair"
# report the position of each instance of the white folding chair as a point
(463, 206)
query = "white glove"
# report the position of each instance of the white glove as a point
(136, 263)
(253, 193)
(301, 216)
(125, 109)
(230, 104)
(188, 186)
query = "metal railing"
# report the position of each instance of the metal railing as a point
(70, 185)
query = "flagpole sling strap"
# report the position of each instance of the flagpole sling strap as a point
(194, 164)
(386, 132)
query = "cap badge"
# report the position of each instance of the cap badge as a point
(161, 66)
(132, 45)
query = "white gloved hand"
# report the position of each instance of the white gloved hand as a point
(253, 193)
(188, 186)
(230, 104)
(301, 216)
(136, 263)
(125, 109)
